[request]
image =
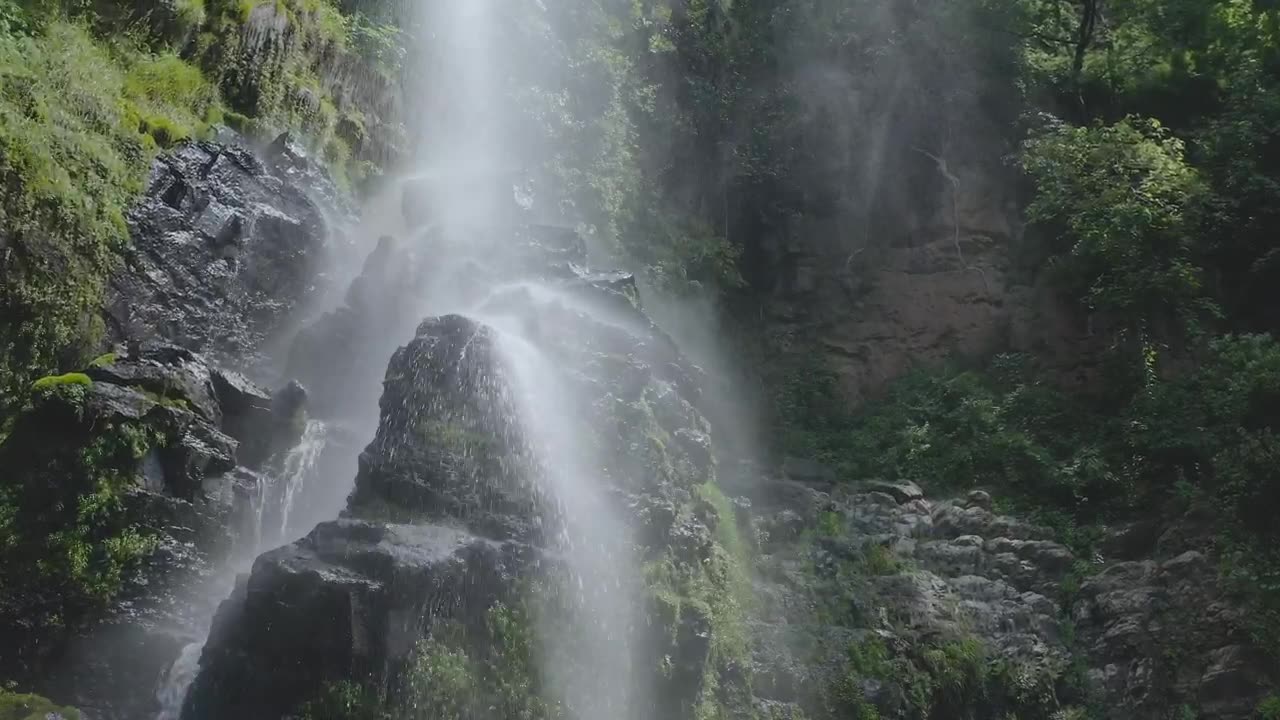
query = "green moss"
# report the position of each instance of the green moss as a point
(190, 13)
(880, 560)
(55, 381)
(343, 700)
(69, 164)
(457, 672)
(714, 593)
(1269, 708)
(79, 122)
(103, 360)
(15, 706)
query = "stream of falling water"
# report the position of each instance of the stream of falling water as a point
(466, 139)
(296, 470)
(591, 537)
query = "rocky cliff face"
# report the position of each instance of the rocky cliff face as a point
(878, 599)
(138, 478)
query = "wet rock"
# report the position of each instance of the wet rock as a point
(809, 472)
(223, 254)
(449, 442)
(153, 426)
(263, 423)
(903, 572)
(979, 498)
(454, 455)
(341, 356)
(347, 601)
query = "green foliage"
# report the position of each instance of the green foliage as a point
(16, 706)
(344, 700)
(279, 86)
(714, 593)
(69, 163)
(1204, 78)
(1269, 708)
(168, 98)
(14, 19)
(456, 672)
(1125, 198)
(440, 681)
(954, 677)
(67, 541)
(956, 429)
(812, 415)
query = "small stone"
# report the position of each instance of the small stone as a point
(903, 492)
(881, 498)
(808, 471)
(980, 498)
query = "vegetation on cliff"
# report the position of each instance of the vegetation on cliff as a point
(90, 91)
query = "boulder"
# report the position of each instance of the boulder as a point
(903, 491)
(347, 601)
(223, 254)
(1161, 634)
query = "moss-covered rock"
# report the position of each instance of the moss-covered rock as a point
(16, 706)
(121, 485)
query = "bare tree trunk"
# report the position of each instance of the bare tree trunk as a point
(1089, 11)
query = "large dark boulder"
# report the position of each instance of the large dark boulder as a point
(449, 447)
(225, 251)
(345, 603)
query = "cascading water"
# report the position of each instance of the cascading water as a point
(591, 537)
(464, 163)
(295, 471)
(173, 686)
(473, 138)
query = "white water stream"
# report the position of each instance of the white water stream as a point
(463, 113)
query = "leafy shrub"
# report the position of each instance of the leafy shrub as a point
(67, 540)
(13, 18)
(344, 700)
(1269, 708)
(1124, 197)
(15, 706)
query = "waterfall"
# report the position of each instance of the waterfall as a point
(591, 537)
(466, 159)
(297, 469)
(173, 687)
